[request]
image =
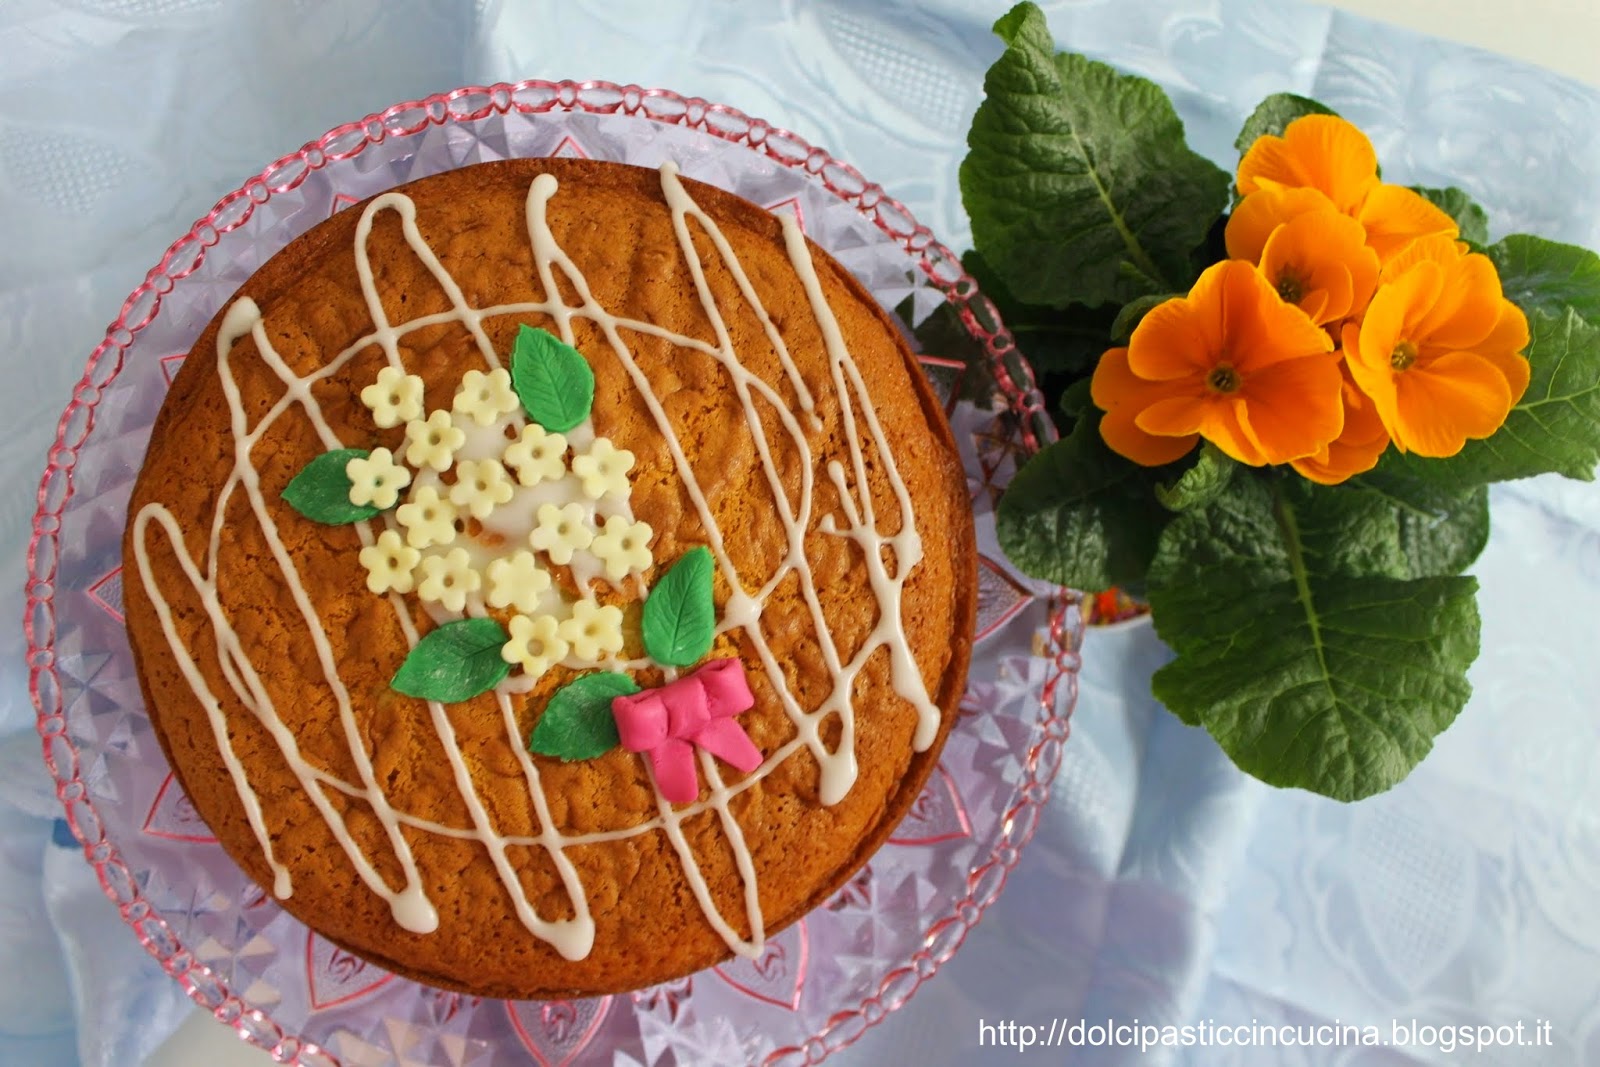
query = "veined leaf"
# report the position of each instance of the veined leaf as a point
(1078, 181)
(1540, 275)
(578, 724)
(1201, 483)
(680, 618)
(454, 662)
(552, 379)
(321, 491)
(1080, 515)
(1298, 647)
(1273, 115)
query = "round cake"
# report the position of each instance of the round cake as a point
(551, 577)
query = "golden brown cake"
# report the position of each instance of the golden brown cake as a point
(551, 577)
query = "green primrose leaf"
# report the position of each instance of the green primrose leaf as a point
(1540, 275)
(1441, 530)
(577, 724)
(1302, 644)
(1555, 427)
(1133, 313)
(1080, 515)
(1470, 217)
(1078, 182)
(1201, 483)
(552, 379)
(321, 491)
(454, 662)
(680, 620)
(1273, 115)
(1067, 341)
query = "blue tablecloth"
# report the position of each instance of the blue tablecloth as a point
(1162, 886)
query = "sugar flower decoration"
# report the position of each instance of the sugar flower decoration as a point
(604, 470)
(561, 531)
(592, 630)
(485, 397)
(481, 486)
(428, 518)
(389, 564)
(517, 581)
(537, 455)
(623, 546)
(376, 481)
(394, 398)
(447, 579)
(535, 644)
(433, 442)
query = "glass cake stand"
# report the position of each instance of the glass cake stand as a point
(821, 983)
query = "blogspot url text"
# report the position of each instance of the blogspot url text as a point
(1412, 1033)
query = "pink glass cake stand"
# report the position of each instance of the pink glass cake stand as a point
(821, 983)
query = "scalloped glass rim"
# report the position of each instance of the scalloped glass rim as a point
(468, 104)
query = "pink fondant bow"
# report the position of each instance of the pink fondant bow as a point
(697, 709)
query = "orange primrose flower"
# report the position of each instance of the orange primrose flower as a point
(1358, 446)
(1320, 262)
(1321, 152)
(1326, 154)
(1230, 362)
(1395, 216)
(1440, 349)
(1123, 395)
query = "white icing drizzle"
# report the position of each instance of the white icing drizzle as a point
(886, 570)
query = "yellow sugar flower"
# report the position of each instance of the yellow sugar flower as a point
(389, 564)
(535, 644)
(376, 480)
(447, 579)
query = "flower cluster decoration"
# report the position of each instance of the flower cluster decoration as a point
(1283, 393)
(508, 433)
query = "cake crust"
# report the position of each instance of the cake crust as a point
(618, 230)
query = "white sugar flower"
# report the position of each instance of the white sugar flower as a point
(394, 398)
(593, 629)
(517, 581)
(535, 644)
(448, 579)
(485, 397)
(561, 531)
(481, 486)
(623, 546)
(537, 455)
(433, 442)
(377, 480)
(604, 470)
(389, 564)
(428, 518)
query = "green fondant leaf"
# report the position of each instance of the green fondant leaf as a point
(577, 723)
(321, 491)
(552, 379)
(454, 662)
(679, 617)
